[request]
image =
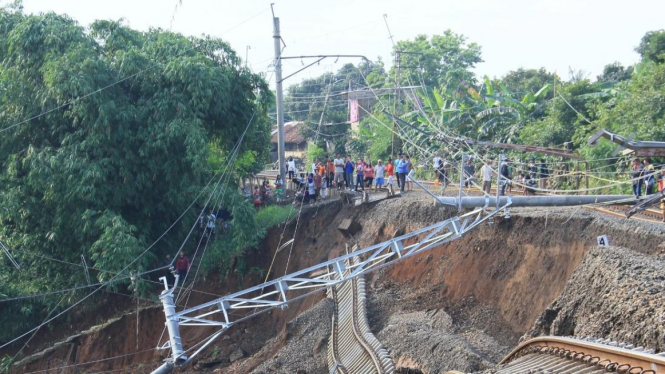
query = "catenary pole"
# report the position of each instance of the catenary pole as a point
(279, 96)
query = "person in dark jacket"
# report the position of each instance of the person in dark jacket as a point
(504, 177)
(544, 174)
(636, 175)
(182, 266)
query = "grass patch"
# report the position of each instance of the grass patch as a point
(274, 215)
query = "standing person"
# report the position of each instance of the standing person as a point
(339, 172)
(314, 165)
(348, 173)
(379, 170)
(411, 175)
(504, 177)
(324, 187)
(486, 172)
(469, 171)
(399, 159)
(390, 172)
(311, 189)
(279, 192)
(440, 173)
(649, 177)
(437, 163)
(529, 185)
(544, 174)
(402, 170)
(291, 166)
(360, 174)
(318, 180)
(182, 267)
(533, 169)
(369, 175)
(330, 171)
(257, 197)
(636, 175)
(321, 169)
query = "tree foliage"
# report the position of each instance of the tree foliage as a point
(139, 116)
(445, 59)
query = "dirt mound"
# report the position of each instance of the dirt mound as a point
(300, 347)
(409, 335)
(615, 293)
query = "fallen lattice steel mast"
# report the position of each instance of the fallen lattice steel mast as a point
(280, 292)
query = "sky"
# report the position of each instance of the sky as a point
(555, 34)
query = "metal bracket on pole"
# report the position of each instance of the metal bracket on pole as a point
(172, 324)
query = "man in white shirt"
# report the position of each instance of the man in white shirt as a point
(210, 225)
(339, 171)
(486, 171)
(291, 164)
(437, 162)
(379, 171)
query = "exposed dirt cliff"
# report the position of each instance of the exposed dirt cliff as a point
(459, 306)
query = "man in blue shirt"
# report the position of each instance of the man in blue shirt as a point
(402, 170)
(348, 173)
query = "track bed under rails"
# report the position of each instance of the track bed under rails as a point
(551, 354)
(352, 348)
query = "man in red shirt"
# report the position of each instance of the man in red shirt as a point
(182, 266)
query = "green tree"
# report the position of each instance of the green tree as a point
(107, 173)
(615, 72)
(523, 81)
(652, 46)
(445, 59)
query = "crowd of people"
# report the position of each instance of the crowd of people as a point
(536, 175)
(345, 174)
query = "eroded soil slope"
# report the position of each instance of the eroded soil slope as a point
(460, 306)
(615, 293)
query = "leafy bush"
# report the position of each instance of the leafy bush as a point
(274, 215)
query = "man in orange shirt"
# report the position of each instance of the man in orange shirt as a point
(390, 173)
(320, 169)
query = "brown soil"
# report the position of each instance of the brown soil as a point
(494, 283)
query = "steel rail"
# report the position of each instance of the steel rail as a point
(594, 353)
(352, 342)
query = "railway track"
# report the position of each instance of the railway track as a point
(352, 348)
(553, 354)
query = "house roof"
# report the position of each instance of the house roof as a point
(291, 133)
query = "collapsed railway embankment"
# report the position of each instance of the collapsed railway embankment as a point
(460, 306)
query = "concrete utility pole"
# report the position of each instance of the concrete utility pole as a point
(279, 96)
(536, 201)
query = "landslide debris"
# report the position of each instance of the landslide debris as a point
(301, 347)
(615, 293)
